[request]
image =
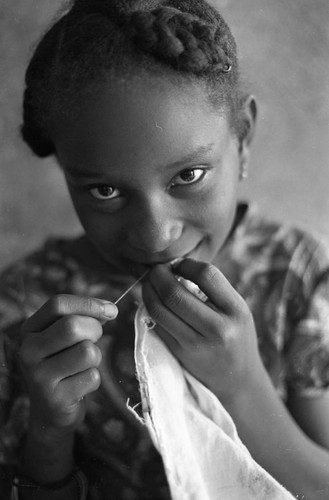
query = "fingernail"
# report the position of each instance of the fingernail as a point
(109, 309)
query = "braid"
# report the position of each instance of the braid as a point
(188, 38)
(179, 39)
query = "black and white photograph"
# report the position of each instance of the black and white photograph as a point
(164, 250)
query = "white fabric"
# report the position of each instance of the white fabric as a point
(204, 458)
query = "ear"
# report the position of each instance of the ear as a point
(246, 128)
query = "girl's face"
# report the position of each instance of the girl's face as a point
(152, 171)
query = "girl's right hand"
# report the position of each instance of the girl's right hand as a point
(60, 358)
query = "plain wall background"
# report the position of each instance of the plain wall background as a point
(284, 54)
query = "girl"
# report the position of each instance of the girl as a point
(141, 103)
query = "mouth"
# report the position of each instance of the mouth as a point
(138, 268)
(191, 254)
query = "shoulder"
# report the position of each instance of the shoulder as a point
(280, 245)
(58, 266)
(28, 282)
(280, 265)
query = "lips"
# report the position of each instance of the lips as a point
(138, 268)
(172, 259)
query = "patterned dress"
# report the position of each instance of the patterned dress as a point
(282, 273)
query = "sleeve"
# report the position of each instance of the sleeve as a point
(307, 352)
(14, 403)
(24, 287)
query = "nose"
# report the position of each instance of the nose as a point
(154, 225)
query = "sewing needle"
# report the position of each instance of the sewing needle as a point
(132, 286)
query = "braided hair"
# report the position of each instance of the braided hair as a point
(187, 39)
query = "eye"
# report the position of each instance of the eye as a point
(188, 176)
(104, 192)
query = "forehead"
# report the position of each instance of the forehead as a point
(139, 120)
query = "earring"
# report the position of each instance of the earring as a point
(243, 171)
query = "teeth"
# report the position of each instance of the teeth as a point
(174, 262)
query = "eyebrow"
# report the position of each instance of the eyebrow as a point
(197, 155)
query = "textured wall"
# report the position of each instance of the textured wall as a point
(284, 50)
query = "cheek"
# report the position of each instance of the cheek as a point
(99, 226)
(217, 207)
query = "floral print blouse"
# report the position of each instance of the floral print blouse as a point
(282, 273)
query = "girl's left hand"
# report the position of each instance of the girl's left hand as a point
(214, 340)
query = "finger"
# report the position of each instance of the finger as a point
(79, 385)
(172, 301)
(169, 340)
(65, 305)
(212, 283)
(66, 332)
(76, 359)
(184, 331)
